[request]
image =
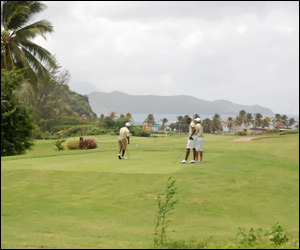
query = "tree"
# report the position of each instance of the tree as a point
(181, 125)
(242, 113)
(48, 102)
(164, 121)
(266, 122)
(284, 119)
(248, 120)
(17, 48)
(108, 122)
(129, 116)
(16, 122)
(291, 122)
(257, 120)
(216, 123)
(121, 121)
(229, 123)
(277, 121)
(207, 125)
(150, 119)
(112, 114)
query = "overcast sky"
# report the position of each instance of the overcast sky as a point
(244, 52)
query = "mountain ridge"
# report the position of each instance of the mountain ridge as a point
(122, 103)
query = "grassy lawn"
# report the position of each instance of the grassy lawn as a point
(91, 199)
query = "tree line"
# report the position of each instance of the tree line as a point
(242, 121)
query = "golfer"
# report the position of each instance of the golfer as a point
(200, 139)
(124, 134)
(191, 144)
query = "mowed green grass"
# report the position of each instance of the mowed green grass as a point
(91, 199)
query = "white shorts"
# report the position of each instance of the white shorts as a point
(199, 144)
(192, 143)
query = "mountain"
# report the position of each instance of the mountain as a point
(121, 103)
(83, 88)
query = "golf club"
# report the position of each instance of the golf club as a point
(179, 156)
(128, 152)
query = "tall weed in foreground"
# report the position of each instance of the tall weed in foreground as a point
(276, 235)
(165, 206)
(250, 239)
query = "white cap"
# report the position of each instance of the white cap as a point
(127, 124)
(198, 119)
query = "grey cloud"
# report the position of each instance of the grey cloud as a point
(240, 51)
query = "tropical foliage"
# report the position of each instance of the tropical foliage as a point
(17, 48)
(16, 122)
(150, 119)
(55, 104)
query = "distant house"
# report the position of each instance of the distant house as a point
(150, 127)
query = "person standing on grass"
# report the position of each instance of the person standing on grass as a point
(191, 144)
(124, 134)
(200, 139)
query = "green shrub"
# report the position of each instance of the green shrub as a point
(73, 144)
(138, 131)
(80, 130)
(289, 132)
(271, 131)
(161, 132)
(250, 132)
(241, 133)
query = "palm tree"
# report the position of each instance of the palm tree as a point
(284, 119)
(229, 123)
(129, 116)
(238, 122)
(257, 121)
(216, 123)
(164, 121)
(291, 122)
(266, 122)
(248, 120)
(112, 114)
(17, 48)
(150, 119)
(277, 121)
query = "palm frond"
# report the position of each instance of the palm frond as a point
(37, 28)
(17, 18)
(21, 61)
(38, 51)
(36, 65)
(15, 14)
